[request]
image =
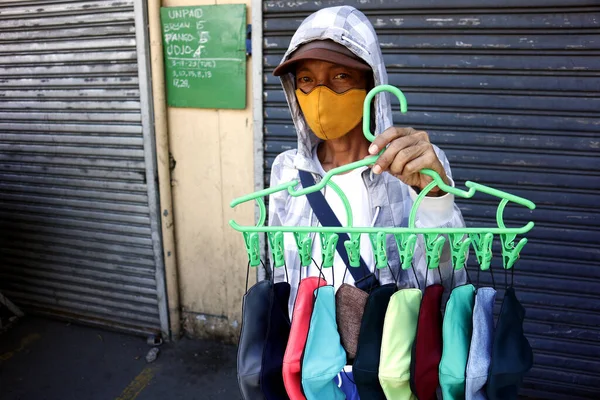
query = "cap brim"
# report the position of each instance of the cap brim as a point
(321, 55)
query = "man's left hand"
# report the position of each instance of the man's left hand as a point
(408, 152)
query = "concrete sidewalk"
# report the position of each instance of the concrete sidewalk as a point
(49, 360)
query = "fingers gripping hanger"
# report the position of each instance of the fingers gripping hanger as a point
(459, 238)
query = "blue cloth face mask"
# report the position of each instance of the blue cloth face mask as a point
(324, 355)
(480, 353)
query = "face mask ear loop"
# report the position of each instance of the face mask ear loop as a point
(440, 274)
(320, 268)
(412, 267)
(505, 279)
(272, 277)
(344, 277)
(287, 277)
(512, 276)
(468, 276)
(426, 276)
(248, 274)
(492, 274)
(395, 278)
(333, 276)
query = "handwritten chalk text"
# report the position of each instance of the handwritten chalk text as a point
(175, 13)
(175, 26)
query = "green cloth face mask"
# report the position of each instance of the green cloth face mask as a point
(399, 330)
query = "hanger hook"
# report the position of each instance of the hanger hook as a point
(367, 106)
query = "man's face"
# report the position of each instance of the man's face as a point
(312, 73)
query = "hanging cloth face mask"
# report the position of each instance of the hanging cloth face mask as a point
(350, 305)
(331, 115)
(457, 329)
(399, 331)
(253, 335)
(292, 360)
(324, 357)
(366, 363)
(427, 348)
(512, 355)
(480, 352)
(271, 379)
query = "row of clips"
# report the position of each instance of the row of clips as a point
(405, 242)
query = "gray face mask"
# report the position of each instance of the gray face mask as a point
(480, 353)
(324, 356)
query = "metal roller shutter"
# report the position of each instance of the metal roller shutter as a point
(79, 236)
(510, 91)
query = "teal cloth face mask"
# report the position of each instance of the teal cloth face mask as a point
(324, 355)
(399, 331)
(457, 329)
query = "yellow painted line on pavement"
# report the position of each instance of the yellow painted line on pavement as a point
(138, 384)
(26, 341)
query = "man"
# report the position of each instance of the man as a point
(333, 60)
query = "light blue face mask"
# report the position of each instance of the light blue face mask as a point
(324, 355)
(480, 353)
(456, 333)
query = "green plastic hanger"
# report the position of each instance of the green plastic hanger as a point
(460, 238)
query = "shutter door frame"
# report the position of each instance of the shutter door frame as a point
(147, 109)
(522, 56)
(78, 178)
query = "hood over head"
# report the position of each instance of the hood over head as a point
(349, 27)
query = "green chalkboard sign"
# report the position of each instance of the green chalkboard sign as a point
(205, 55)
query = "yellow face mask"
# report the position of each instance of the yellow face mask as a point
(331, 115)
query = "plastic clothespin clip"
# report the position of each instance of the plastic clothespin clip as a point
(510, 252)
(460, 249)
(483, 249)
(406, 248)
(378, 242)
(252, 247)
(328, 247)
(276, 242)
(353, 249)
(434, 244)
(304, 243)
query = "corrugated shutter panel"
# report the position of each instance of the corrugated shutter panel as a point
(75, 237)
(510, 91)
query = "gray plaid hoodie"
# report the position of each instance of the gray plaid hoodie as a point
(390, 199)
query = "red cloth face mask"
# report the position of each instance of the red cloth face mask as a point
(292, 360)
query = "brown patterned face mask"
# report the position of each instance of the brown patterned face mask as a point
(350, 304)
